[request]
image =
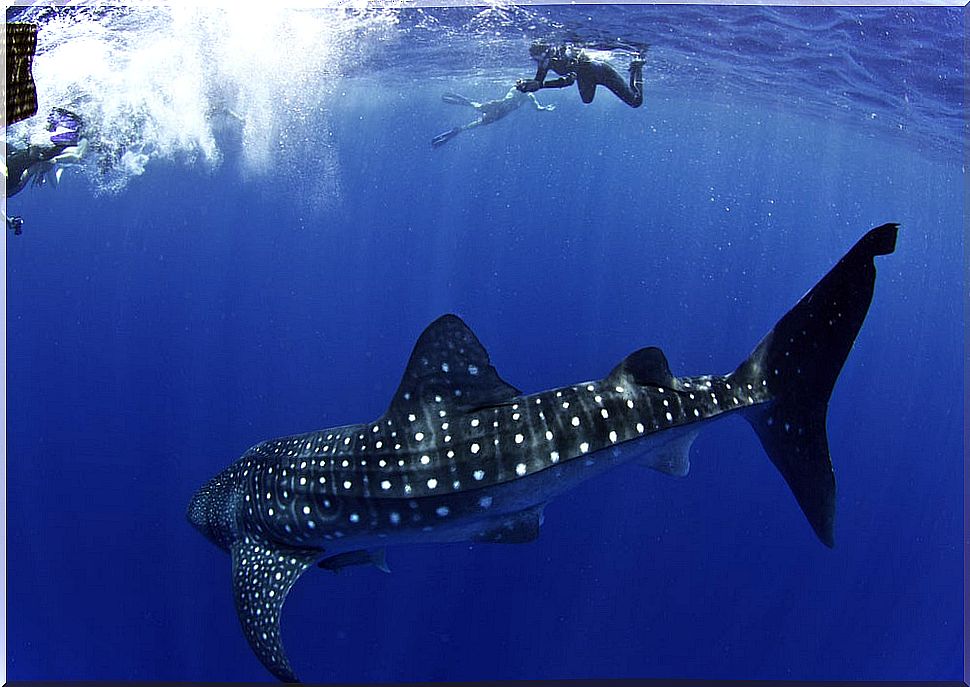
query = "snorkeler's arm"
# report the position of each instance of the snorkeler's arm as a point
(530, 86)
(561, 82)
(540, 107)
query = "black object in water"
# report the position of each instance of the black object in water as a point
(21, 91)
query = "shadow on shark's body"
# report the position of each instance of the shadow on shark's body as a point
(460, 455)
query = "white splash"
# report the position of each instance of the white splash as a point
(183, 84)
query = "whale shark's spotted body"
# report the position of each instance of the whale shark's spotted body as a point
(461, 455)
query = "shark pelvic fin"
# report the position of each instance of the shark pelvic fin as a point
(262, 575)
(673, 458)
(449, 366)
(516, 528)
(375, 557)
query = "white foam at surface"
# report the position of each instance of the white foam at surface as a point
(180, 83)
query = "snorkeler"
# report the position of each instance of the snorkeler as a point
(489, 112)
(41, 157)
(574, 65)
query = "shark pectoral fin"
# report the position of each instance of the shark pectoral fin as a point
(517, 528)
(450, 366)
(262, 575)
(673, 458)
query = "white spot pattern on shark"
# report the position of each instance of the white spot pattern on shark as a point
(486, 473)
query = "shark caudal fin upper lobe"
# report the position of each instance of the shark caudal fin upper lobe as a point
(798, 363)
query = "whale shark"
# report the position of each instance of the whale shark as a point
(463, 456)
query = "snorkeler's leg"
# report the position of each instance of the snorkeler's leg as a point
(71, 155)
(636, 78)
(587, 89)
(455, 99)
(610, 78)
(441, 139)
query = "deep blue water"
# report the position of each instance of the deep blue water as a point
(160, 323)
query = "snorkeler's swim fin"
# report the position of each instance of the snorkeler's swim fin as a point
(441, 139)
(65, 127)
(455, 99)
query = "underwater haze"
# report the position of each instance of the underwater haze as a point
(261, 229)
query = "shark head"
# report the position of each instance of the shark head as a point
(211, 512)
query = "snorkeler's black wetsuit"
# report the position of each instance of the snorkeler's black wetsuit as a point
(587, 74)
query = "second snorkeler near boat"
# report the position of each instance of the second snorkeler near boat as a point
(574, 65)
(40, 156)
(489, 112)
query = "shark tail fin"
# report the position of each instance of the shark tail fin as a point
(795, 368)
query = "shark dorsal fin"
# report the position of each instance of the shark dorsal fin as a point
(450, 365)
(645, 367)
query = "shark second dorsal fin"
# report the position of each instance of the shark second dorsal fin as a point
(262, 575)
(645, 367)
(450, 365)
